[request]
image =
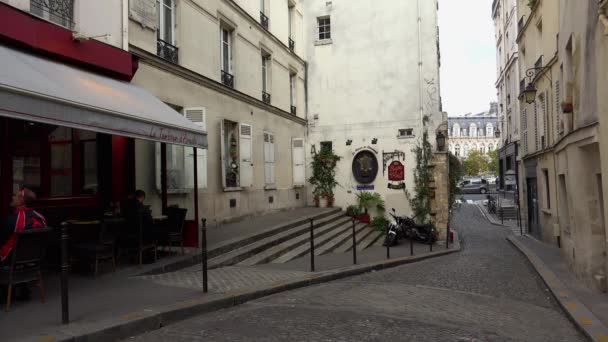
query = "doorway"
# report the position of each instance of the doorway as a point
(533, 215)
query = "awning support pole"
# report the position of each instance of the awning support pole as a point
(195, 158)
(163, 176)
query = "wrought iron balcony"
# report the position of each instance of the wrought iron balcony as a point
(264, 20)
(293, 110)
(292, 45)
(266, 97)
(60, 12)
(166, 51)
(227, 79)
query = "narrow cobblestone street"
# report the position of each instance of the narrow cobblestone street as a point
(487, 292)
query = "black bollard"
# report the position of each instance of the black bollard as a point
(65, 269)
(204, 254)
(312, 246)
(431, 245)
(388, 248)
(412, 245)
(447, 238)
(354, 243)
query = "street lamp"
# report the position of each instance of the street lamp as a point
(530, 93)
(497, 133)
(440, 141)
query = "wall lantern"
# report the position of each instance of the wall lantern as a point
(530, 93)
(497, 133)
(440, 141)
(374, 141)
(349, 142)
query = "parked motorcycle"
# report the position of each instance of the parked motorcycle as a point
(425, 233)
(394, 232)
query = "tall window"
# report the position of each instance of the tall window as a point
(457, 151)
(60, 12)
(165, 20)
(292, 92)
(265, 78)
(473, 130)
(489, 130)
(547, 189)
(324, 27)
(456, 130)
(226, 50)
(290, 20)
(482, 148)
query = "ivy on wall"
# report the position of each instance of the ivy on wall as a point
(420, 202)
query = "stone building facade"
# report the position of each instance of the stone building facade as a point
(474, 132)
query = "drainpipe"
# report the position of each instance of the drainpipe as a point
(420, 90)
(125, 24)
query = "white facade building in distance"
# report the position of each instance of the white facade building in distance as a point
(473, 132)
(373, 76)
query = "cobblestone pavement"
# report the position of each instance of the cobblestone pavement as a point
(487, 292)
(223, 279)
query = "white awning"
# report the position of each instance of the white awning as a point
(36, 89)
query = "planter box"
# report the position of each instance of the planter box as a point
(363, 218)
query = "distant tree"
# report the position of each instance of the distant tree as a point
(493, 162)
(475, 164)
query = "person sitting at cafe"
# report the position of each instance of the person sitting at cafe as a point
(23, 217)
(134, 206)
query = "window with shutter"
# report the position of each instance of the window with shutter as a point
(198, 117)
(246, 155)
(298, 159)
(269, 159)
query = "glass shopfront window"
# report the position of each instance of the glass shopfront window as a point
(54, 161)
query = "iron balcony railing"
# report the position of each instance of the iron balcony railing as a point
(60, 12)
(166, 51)
(266, 97)
(293, 110)
(292, 45)
(227, 79)
(264, 20)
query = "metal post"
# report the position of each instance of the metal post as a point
(388, 247)
(354, 243)
(431, 245)
(195, 162)
(312, 246)
(502, 212)
(204, 254)
(163, 177)
(447, 237)
(411, 245)
(65, 269)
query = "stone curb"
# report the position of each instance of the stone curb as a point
(578, 313)
(139, 322)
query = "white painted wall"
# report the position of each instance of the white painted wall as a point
(366, 84)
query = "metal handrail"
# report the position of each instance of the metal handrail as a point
(166, 51)
(227, 79)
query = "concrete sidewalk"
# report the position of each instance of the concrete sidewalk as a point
(587, 309)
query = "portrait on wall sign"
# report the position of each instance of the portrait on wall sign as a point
(365, 167)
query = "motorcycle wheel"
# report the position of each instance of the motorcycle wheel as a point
(390, 240)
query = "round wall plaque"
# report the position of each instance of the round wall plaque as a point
(365, 167)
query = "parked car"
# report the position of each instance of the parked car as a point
(473, 186)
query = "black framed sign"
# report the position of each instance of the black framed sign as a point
(365, 167)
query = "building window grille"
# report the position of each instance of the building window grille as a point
(60, 12)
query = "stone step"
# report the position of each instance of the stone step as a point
(304, 249)
(241, 241)
(285, 247)
(239, 254)
(344, 238)
(369, 240)
(361, 235)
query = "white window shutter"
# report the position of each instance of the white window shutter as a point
(223, 153)
(198, 116)
(269, 161)
(245, 154)
(158, 159)
(299, 173)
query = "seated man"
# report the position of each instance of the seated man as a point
(133, 208)
(22, 217)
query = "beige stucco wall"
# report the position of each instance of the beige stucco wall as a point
(214, 201)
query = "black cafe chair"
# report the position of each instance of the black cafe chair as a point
(173, 230)
(25, 265)
(135, 239)
(90, 243)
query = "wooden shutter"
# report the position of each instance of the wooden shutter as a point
(197, 115)
(245, 155)
(269, 159)
(298, 158)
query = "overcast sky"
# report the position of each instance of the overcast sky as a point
(468, 61)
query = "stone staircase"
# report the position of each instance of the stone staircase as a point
(332, 231)
(508, 212)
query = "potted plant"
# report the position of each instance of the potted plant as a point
(353, 211)
(366, 201)
(323, 177)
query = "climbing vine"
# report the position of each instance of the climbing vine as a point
(420, 202)
(323, 177)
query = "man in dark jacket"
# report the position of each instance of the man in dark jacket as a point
(22, 218)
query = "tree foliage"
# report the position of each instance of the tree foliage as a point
(421, 201)
(456, 172)
(476, 163)
(493, 162)
(323, 177)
